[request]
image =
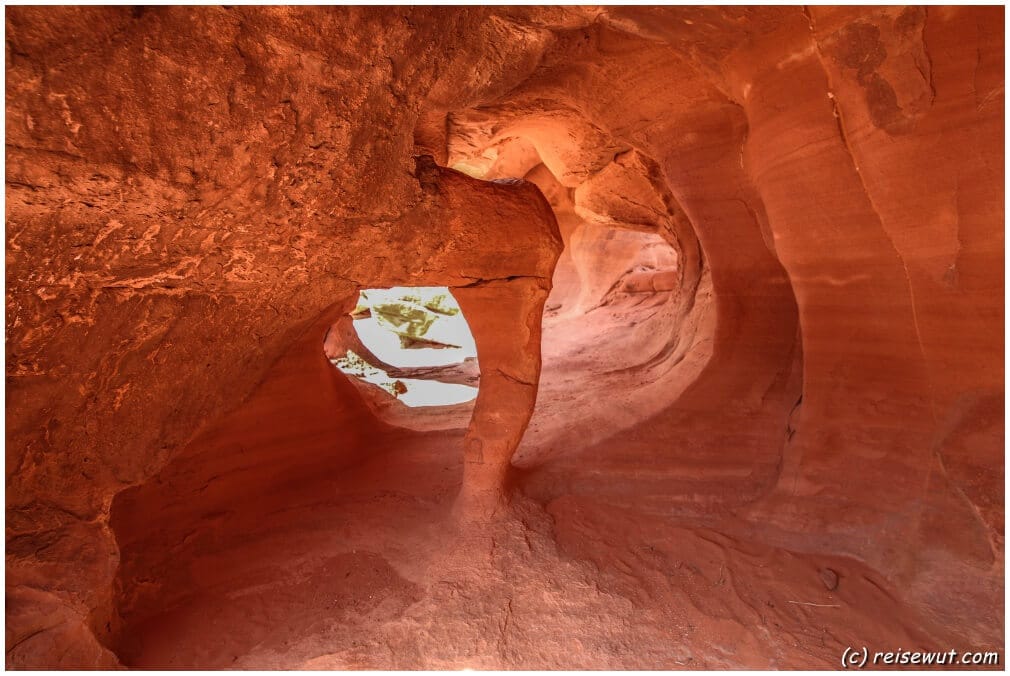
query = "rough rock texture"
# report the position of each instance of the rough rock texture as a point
(735, 279)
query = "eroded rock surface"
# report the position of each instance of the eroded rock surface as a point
(734, 276)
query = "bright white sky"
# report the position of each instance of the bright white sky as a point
(451, 330)
(384, 344)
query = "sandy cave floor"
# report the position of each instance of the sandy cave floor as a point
(370, 570)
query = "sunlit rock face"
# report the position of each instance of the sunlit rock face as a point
(733, 291)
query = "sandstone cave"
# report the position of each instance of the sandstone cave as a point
(733, 278)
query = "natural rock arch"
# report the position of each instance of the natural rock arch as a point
(806, 434)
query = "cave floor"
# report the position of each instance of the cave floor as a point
(368, 569)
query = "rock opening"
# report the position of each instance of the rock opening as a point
(417, 346)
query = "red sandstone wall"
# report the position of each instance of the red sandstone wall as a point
(192, 192)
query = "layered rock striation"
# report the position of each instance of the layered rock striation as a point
(735, 278)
